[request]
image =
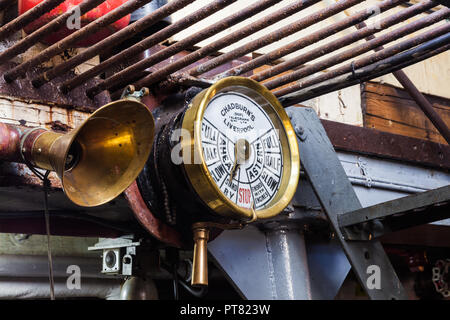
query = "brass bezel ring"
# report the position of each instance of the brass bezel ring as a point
(198, 173)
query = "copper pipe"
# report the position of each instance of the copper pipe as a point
(145, 44)
(42, 32)
(94, 26)
(309, 39)
(112, 41)
(352, 52)
(125, 75)
(29, 16)
(275, 35)
(16, 142)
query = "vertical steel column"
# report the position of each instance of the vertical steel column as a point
(288, 263)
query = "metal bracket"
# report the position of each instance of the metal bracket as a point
(130, 93)
(365, 171)
(336, 195)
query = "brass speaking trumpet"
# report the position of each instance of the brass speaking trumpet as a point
(99, 159)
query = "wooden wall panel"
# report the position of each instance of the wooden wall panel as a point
(391, 109)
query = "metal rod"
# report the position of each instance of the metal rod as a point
(365, 61)
(94, 26)
(225, 41)
(29, 16)
(424, 104)
(310, 39)
(45, 30)
(145, 44)
(356, 51)
(274, 36)
(125, 75)
(409, 4)
(112, 41)
(383, 67)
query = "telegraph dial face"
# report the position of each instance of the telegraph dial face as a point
(245, 153)
(242, 150)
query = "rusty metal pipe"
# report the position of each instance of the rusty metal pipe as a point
(144, 44)
(382, 53)
(125, 75)
(29, 16)
(365, 61)
(383, 67)
(274, 36)
(42, 32)
(112, 41)
(352, 52)
(94, 26)
(341, 42)
(225, 41)
(310, 39)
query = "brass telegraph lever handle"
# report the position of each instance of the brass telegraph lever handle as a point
(200, 232)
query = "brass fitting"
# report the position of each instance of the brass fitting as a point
(200, 232)
(200, 264)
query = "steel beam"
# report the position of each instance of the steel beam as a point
(411, 211)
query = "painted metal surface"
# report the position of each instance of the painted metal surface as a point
(288, 264)
(282, 263)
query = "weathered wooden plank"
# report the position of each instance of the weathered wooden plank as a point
(391, 109)
(402, 112)
(402, 129)
(387, 91)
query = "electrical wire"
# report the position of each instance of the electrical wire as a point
(46, 183)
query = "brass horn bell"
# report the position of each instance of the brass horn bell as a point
(99, 159)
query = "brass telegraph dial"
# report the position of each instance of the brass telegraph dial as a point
(242, 156)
